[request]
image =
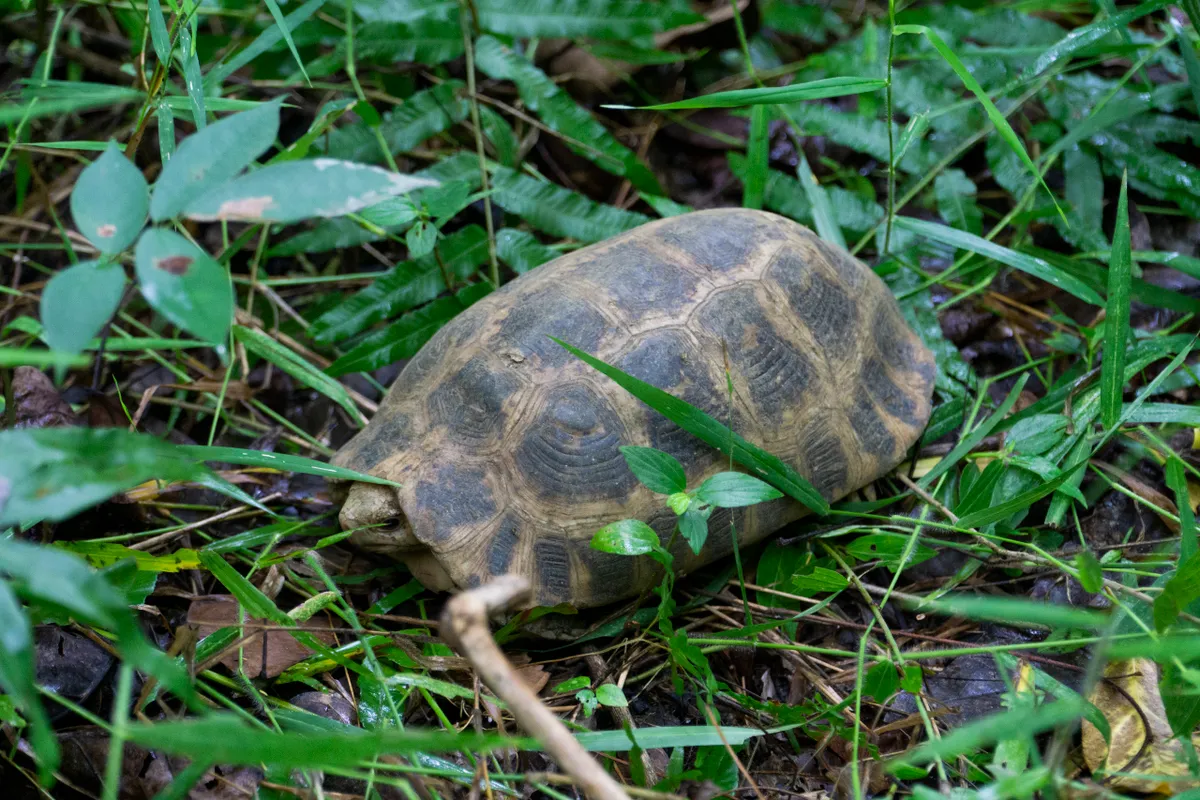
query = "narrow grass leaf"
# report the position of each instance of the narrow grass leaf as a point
(192, 78)
(972, 440)
(1116, 320)
(1177, 593)
(1087, 35)
(226, 739)
(1002, 127)
(251, 598)
(1191, 62)
(261, 44)
(78, 301)
(17, 680)
(159, 37)
(210, 157)
(184, 284)
(291, 191)
(1037, 267)
(755, 181)
(584, 134)
(560, 211)
(795, 93)
(665, 737)
(713, 433)
(281, 24)
(109, 201)
(41, 103)
(280, 461)
(1017, 611)
(627, 537)
(29, 357)
(105, 554)
(658, 471)
(1022, 501)
(827, 225)
(972, 736)
(1178, 483)
(264, 346)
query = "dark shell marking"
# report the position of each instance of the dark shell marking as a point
(524, 439)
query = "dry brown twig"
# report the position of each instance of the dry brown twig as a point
(464, 626)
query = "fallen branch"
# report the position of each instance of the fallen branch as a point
(464, 626)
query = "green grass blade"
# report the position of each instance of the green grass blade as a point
(822, 210)
(1037, 267)
(17, 680)
(1084, 36)
(1002, 127)
(261, 44)
(701, 425)
(972, 440)
(280, 461)
(282, 23)
(755, 181)
(264, 346)
(1012, 610)
(1177, 481)
(1116, 321)
(740, 98)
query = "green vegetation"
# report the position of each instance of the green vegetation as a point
(224, 223)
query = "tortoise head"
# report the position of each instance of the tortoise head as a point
(373, 512)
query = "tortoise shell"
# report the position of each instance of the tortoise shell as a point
(507, 447)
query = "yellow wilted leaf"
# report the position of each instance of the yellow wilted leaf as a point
(1141, 736)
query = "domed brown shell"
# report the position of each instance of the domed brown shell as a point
(507, 447)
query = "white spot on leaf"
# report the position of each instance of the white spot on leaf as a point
(245, 208)
(106, 231)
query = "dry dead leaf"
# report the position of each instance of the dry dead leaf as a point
(37, 402)
(1141, 736)
(265, 654)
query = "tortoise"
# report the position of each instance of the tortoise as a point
(506, 447)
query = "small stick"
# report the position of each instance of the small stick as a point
(464, 626)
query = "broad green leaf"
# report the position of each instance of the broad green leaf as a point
(264, 346)
(227, 739)
(786, 195)
(54, 473)
(1022, 501)
(693, 526)
(405, 337)
(889, 549)
(816, 580)
(970, 737)
(1016, 611)
(712, 432)
(521, 250)
(1177, 593)
(409, 284)
(572, 685)
(78, 301)
(609, 694)
(881, 681)
(1116, 320)
(660, 472)
(17, 679)
(109, 201)
(583, 133)
(811, 90)
(424, 114)
(291, 191)
(1036, 267)
(627, 537)
(279, 461)
(560, 211)
(1091, 576)
(735, 489)
(619, 20)
(420, 239)
(184, 284)
(213, 156)
(1180, 690)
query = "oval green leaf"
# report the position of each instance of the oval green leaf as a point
(658, 471)
(212, 156)
(627, 537)
(735, 489)
(78, 301)
(295, 190)
(609, 694)
(109, 201)
(184, 284)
